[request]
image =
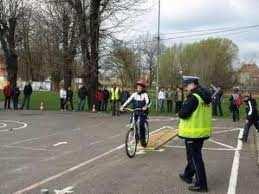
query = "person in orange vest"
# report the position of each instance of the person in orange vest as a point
(8, 94)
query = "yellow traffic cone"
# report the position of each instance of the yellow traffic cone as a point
(41, 106)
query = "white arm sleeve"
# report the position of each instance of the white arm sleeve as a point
(128, 101)
(250, 108)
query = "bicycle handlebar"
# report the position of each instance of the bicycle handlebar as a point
(133, 110)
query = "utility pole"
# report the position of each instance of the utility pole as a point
(158, 55)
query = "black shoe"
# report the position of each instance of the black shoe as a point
(185, 179)
(198, 189)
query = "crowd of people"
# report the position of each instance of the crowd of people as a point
(169, 100)
(12, 94)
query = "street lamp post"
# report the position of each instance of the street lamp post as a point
(158, 55)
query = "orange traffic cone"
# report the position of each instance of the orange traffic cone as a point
(94, 110)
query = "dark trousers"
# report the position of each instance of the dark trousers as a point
(178, 106)
(195, 164)
(161, 105)
(142, 130)
(62, 103)
(115, 107)
(235, 114)
(70, 102)
(169, 104)
(81, 104)
(247, 127)
(7, 101)
(216, 108)
(26, 101)
(15, 103)
(98, 105)
(105, 105)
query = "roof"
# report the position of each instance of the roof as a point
(251, 69)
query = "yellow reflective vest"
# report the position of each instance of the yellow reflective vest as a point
(199, 124)
(115, 94)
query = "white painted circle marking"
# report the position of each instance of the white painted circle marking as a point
(23, 125)
(3, 125)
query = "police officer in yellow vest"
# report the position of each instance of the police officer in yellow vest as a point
(115, 100)
(195, 127)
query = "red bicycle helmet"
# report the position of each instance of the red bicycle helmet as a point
(141, 83)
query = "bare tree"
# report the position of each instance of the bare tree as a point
(10, 12)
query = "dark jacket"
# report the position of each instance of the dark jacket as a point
(70, 95)
(16, 92)
(251, 109)
(82, 92)
(27, 91)
(191, 103)
(106, 95)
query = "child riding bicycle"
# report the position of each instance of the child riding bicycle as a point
(140, 100)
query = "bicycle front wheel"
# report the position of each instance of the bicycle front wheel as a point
(131, 143)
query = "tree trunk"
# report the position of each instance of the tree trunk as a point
(12, 68)
(68, 72)
(94, 45)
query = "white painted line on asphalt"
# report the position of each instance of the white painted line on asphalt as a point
(115, 136)
(235, 166)
(222, 144)
(96, 142)
(162, 119)
(3, 125)
(205, 148)
(67, 190)
(42, 137)
(60, 143)
(28, 148)
(72, 169)
(224, 131)
(23, 125)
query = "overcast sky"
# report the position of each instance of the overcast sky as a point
(182, 15)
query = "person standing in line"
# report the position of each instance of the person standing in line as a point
(63, 97)
(235, 102)
(82, 93)
(251, 116)
(69, 99)
(106, 96)
(178, 100)
(15, 96)
(7, 94)
(169, 100)
(161, 99)
(124, 96)
(195, 127)
(115, 100)
(27, 92)
(214, 92)
(98, 100)
(219, 98)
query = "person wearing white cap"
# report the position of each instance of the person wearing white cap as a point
(195, 127)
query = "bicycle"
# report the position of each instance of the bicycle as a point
(133, 134)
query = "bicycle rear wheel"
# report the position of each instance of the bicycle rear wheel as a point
(131, 143)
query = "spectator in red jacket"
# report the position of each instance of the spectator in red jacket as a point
(8, 94)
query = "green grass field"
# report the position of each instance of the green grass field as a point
(51, 103)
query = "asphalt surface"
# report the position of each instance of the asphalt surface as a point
(84, 153)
